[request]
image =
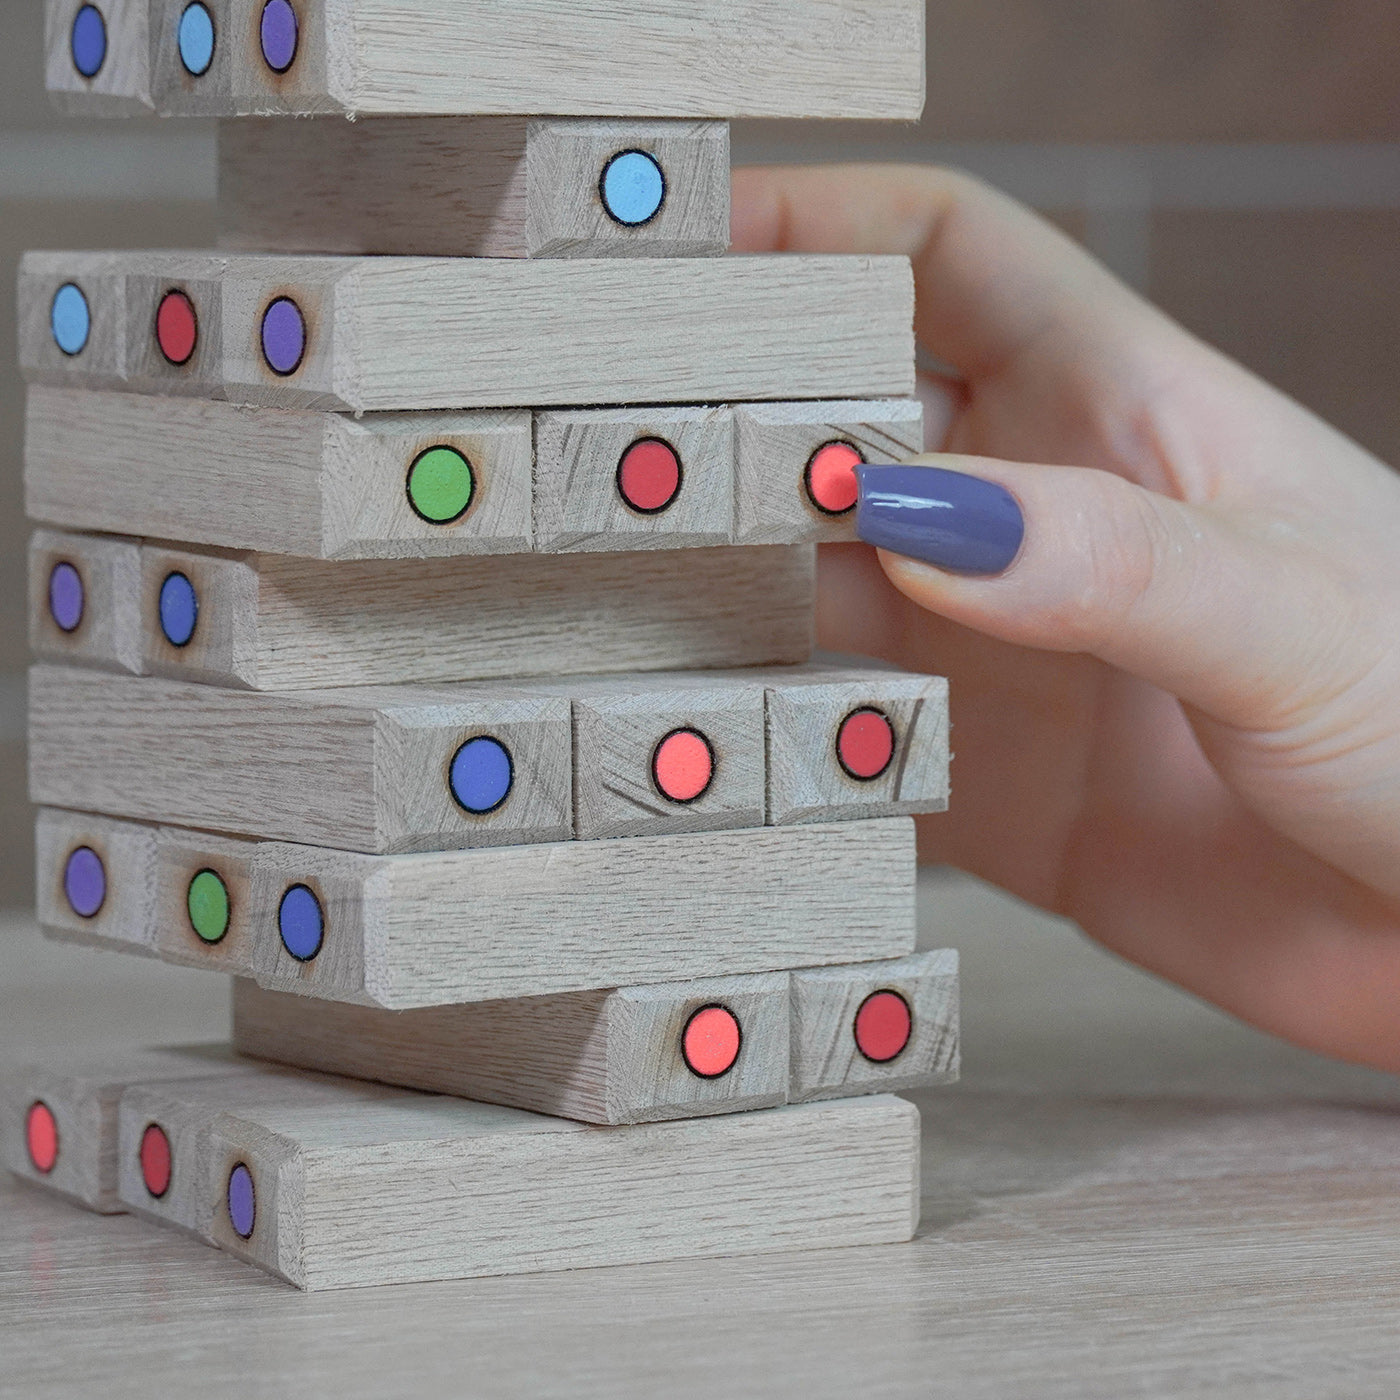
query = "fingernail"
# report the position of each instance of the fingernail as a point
(953, 521)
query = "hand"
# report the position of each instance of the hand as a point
(1177, 711)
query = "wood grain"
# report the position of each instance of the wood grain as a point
(108, 631)
(502, 187)
(122, 86)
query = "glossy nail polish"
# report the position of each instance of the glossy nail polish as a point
(953, 521)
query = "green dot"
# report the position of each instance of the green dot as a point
(441, 485)
(208, 906)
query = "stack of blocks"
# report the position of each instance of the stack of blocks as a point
(424, 604)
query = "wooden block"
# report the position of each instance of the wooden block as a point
(850, 59)
(502, 187)
(174, 340)
(412, 333)
(875, 1027)
(634, 1055)
(99, 63)
(411, 931)
(58, 1118)
(378, 1186)
(375, 768)
(193, 54)
(795, 477)
(640, 478)
(72, 321)
(84, 599)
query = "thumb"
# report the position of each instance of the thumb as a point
(1236, 614)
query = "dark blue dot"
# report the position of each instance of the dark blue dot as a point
(179, 609)
(482, 775)
(88, 41)
(301, 923)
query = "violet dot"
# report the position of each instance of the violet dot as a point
(66, 597)
(283, 336)
(242, 1202)
(85, 882)
(278, 34)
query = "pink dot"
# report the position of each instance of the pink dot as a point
(41, 1137)
(683, 766)
(155, 1160)
(649, 475)
(831, 478)
(711, 1042)
(883, 1026)
(865, 743)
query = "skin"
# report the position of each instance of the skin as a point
(1177, 715)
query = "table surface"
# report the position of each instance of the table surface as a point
(1129, 1194)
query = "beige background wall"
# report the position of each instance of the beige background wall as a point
(1239, 160)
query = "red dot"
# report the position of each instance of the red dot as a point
(884, 1024)
(865, 743)
(41, 1137)
(683, 766)
(177, 328)
(831, 477)
(155, 1160)
(649, 475)
(711, 1041)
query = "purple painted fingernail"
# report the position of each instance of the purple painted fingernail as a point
(953, 521)
(283, 336)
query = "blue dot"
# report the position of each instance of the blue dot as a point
(633, 188)
(179, 609)
(482, 775)
(301, 923)
(70, 319)
(196, 39)
(88, 41)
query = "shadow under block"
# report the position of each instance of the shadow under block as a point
(368, 334)
(678, 58)
(447, 928)
(85, 600)
(499, 187)
(58, 1118)
(600, 1057)
(350, 1185)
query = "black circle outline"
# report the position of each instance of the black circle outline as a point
(608, 164)
(228, 1203)
(145, 1132)
(408, 483)
(82, 611)
(879, 992)
(194, 592)
(320, 909)
(262, 335)
(656, 755)
(73, 39)
(213, 48)
(87, 306)
(228, 895)
(894, 745)
(510, 786)
(57, 1138)
(296, 44)
(155, 325)
(106, 883)
(807, 476)
(690, 1020)
(680, 475)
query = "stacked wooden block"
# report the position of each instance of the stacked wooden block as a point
(424, 611)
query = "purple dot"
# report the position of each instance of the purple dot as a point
(242, 1201)
(85, 882)
(283, 336)
(66, 596)
(279, 35)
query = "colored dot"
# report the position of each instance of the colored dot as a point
(482, 775)
(278, 35)
(830, 478)
(441, 485)
(196, 39)
(177, 327)
(883, 1026)
(711, 1041)
(179, 609)
(301, 923)
(41, 1136)
(88, 41)
(155, 1160)
(283, 336)
(683, 766)
(85, 882)
(242, 1202)
(633, 188)
(70, 319)
(208, 904)
(66, 596)
(649, 475)
(865, 744)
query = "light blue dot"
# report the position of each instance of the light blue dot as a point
(196, 39)
(301, 923)
(179, 609)
(482, 775)
(633, 188)
(70, 318)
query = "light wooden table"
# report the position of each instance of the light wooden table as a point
(1128, 1196)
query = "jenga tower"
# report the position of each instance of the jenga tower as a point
(423, 595)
